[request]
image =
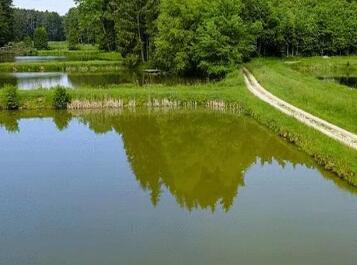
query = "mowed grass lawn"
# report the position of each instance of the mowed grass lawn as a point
(327, 100)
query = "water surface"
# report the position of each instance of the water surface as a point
(165, 187)
(47, 80)
(350, 81)
(26, 59)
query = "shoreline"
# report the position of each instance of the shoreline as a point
(228, 95)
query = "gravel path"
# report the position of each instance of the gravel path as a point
(333, 131)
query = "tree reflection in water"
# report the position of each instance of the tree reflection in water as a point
(200, 157)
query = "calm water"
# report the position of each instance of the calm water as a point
(35, 80)
(165, 188)
(26, 59)
(350, 81)
(20, 59)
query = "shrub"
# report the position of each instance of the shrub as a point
(61, 98)
(131, 61)
(28, 42)
(11, 98)
(40, 38)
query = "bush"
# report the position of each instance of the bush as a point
(61, 98)
(28, 42)
(40, 38)
(11, 98)
(131, 61)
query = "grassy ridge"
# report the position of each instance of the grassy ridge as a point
(327, 152)
(85, 52)
(330, 101)
(61, 66)
(81, 55)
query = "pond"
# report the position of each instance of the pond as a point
(20, 59)
(350, 81)
(35, 80)
(165, 187)
(27, 59)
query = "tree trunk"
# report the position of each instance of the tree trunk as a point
(139, 35)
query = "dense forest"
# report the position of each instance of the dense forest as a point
(197, 36)
(201, 36)
(6, 20)
(26, 22)
(17, 24)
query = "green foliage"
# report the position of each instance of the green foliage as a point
(6, 21)
(26, 21)
(61, 98)
(200, 36)
(96, 20)
(28, 42)
(210, 38)
(71, 28)
(223, 38)
(177, 25)
(40, 39)
(11, 98)
(135, 30)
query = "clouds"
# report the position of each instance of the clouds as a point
(60, 6)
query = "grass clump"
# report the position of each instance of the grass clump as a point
(12, 101)
(61, 98)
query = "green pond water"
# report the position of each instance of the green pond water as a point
(350, 81)
(48, 80)
(165, 187)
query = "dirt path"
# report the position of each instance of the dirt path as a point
(333, 131)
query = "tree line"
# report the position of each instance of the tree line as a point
(27, 21)
(6, 20)
(17, 24)
(199, 36)
(212, 36)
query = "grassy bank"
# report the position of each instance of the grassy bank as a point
(330, 101)
(84, 52)
(61, 66)
(81, 55)
(326, 67)
(230, 93)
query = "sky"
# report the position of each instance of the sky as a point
(60, 6)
